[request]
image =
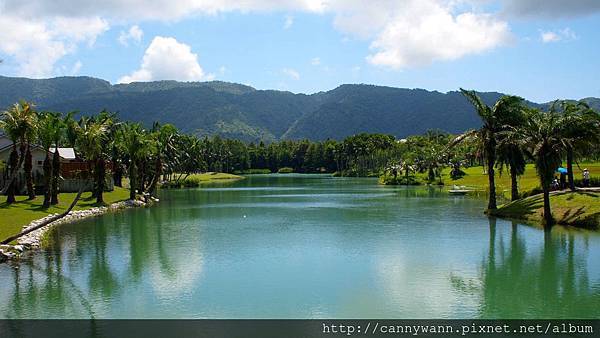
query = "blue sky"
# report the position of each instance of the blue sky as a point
(541, 50)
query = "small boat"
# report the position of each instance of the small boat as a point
(456, 190)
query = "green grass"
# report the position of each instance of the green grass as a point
(205, 177)
(581, 209)
(477, 180)
(253, 171)
(13, 217)
(195, 180)
(285, 170)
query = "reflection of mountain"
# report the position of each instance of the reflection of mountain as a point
(551, 283)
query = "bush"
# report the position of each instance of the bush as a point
(171, 185)
(285, 170)
(253, 171)
(191, 182)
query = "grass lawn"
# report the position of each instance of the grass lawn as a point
(578, 208)
(211, 176)
(13, 217)
(476, 179)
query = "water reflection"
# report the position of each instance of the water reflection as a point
(525, 278)
(388, 252)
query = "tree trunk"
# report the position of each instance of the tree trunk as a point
(55, 177)
(570, 167)
(157, 173)
(47, 181)
(28, 167)
(514, 186)
(13, 163)
(548, 219)
(132, 180)
(491, 161)
(117, 173)
(100, 176)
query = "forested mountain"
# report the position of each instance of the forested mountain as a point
(242, 112)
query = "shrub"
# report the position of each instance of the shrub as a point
(253, 171)
(191, 182)
(285, 170)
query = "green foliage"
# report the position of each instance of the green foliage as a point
(253, 171)
(237, 111)
(285, 170)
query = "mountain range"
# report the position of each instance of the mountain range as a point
(239, 111)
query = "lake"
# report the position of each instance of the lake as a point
(306, 246)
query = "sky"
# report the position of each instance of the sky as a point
(538, 49)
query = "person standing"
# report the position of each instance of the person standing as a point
(586, 177)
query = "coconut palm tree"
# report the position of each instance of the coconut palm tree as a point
(49, 132)
(511, 154)
(10, 124)
(580, 131)
(29, 124)
(20, 122)
(91, 140)
(541, 132)
(135, 144)
(495, 119)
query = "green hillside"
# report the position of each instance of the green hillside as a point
(242, 112)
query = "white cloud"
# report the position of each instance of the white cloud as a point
(36, 45)
(555, 36)
(402, 33)
(168, 59)
(315, 61)
(134, 34)
(76, 68)
(289, 21)
(427, 31)
(291, 73)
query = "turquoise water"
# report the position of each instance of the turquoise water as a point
(306, 246)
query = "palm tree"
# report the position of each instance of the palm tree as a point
(512, 155)
(20, 122)
(91, 142)
(541, 132)
(10, 124)
(134, 143)
(580, 131)
(48, 134)
(29, 123)
(495, 119)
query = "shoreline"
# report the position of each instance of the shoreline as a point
(33, 240)
(577, 209)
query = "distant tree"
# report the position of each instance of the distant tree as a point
(580, 131)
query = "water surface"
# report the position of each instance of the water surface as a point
(306, 246)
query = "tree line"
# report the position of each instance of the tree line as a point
(150, 156)
(512, 134)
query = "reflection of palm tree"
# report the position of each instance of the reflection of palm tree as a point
(101, 277)
(54, 287)
(515, 284)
